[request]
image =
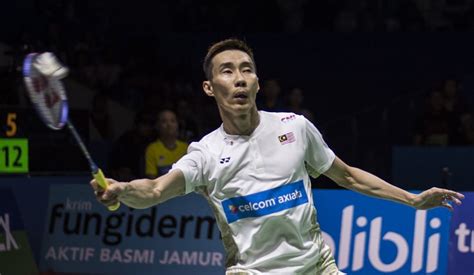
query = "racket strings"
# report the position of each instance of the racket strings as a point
(47, 94)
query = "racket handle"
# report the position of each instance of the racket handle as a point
(100, 178)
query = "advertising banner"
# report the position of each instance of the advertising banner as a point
(15, 252)
(367, 235)
(373, 236)
(461, 241)
(83, 237)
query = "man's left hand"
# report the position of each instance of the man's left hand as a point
(437, 197)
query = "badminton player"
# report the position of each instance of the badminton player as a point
(253, 171)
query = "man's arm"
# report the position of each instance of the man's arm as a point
(142, 193)
(361, 181)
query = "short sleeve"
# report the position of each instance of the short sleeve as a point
(192, 165)
(317, 155)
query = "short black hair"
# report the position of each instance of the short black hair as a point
(224, 45)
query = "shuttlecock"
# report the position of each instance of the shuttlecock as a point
(48, 65)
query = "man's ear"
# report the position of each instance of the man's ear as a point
(207, 87)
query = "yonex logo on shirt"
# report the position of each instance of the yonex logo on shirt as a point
(224, 160)
(266, 202)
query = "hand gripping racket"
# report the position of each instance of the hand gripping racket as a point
(42, 74)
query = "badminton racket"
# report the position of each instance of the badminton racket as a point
(42, 74)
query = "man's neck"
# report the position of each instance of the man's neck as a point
(243, 125)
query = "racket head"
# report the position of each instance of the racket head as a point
(47, 94)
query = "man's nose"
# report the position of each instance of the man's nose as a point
(240, 80)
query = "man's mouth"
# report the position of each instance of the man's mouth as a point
(240, 95)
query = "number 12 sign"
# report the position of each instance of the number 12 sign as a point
(13, 155)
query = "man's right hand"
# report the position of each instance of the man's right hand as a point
(112, 195)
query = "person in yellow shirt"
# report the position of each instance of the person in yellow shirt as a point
(167, 149)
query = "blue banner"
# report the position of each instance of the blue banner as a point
(82, 236)
(373, 236)
(367, 235)
(14, 245)
(461, 242)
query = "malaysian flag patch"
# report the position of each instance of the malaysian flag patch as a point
(286, 138)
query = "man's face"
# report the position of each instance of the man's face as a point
(168, 124)
(234, 83)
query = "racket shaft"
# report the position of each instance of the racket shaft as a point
(84, 150)
(96, 171)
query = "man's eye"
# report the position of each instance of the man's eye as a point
(227, 71)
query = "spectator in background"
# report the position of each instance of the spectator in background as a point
(108, 71)
(167, 149)
(466, 130)
(100, 120)
(131, 92)
(436, 124)
(8, 77)
(126, 159)
(188, 124)
(454, 101)
(457, 12)
(346, 21)
(457, 107)
(86, 68)
(292, 14)
(295, 104)
(6, 60)
(270, 100)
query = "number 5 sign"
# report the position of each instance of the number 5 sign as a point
(13, 155)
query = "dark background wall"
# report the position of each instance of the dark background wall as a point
(365, 80)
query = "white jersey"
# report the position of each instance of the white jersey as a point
(260, 193)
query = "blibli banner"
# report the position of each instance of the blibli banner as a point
(368, 236)
(461, 242)
(372, 236)
(82, 236)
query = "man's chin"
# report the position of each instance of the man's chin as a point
(242, 108)
(238, 109)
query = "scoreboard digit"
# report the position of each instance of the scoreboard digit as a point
(14, 155)
(13, 149)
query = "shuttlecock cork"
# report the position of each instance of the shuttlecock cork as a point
(48, 65)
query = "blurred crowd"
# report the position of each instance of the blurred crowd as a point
(170, 109)
(267, 15)
(446, 117)
(160, 136)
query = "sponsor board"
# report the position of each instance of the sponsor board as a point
(461, 241)
(372, 236)
(15, 252)
(367, 235)
(82, 236)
